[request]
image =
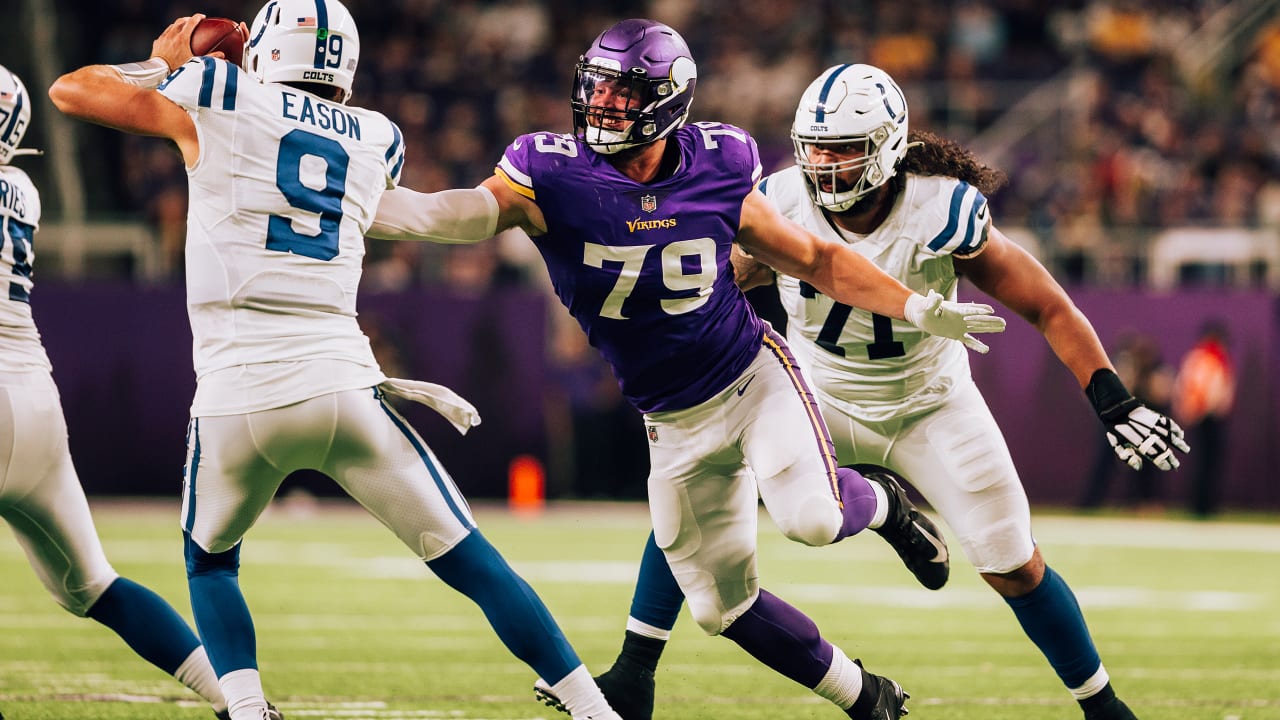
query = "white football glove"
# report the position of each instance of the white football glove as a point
(955, 320)
(1135, 431)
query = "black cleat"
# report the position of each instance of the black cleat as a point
(915, 537)
(880, 699)
(1106, 706)
(628, 688)
(1114, 710)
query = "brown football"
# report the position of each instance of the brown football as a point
(219, 34)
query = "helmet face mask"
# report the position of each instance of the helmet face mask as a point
(849, 134)
(304, 41)
(15, 115)
(633, 86)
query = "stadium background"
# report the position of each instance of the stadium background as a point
(1142, 141)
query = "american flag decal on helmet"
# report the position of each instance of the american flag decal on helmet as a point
(648, 203)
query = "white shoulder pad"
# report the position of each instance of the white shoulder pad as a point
(951, 217)
(204, 82)
(786, 192)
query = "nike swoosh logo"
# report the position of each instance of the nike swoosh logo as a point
(743, 388)
(937, 544)
(516, 145)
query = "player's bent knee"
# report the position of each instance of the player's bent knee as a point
(1000, 548)
(814, 522)
(709, 616)
(432, 545)
(78, 601)
(715, 605)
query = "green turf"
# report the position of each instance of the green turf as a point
(351, 626)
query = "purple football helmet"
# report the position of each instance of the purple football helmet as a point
(633, 85)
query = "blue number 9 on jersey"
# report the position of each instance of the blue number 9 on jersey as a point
(281, 235)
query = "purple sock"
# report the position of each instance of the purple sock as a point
(783, 638)
(859, 502)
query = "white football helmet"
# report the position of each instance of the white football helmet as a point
(857, 105)
(15, 115)
(312, 41)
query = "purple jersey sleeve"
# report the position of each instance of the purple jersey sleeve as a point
(644, 268)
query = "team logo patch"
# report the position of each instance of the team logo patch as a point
(648, 203)
(653, 433)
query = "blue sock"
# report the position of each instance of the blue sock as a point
(222, 617)
(658, 597)
(1051, 617)
(783, 638)
(519, 617)
(146, 623)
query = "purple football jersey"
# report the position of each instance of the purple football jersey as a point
(644, 268)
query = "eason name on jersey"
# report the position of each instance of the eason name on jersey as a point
(638, 224)
(303, 108)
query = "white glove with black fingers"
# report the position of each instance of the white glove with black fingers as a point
(1135, 431)
(955, 320)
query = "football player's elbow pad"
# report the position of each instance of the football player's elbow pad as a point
(448, 216)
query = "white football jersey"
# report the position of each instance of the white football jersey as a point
(20, 344)
(283, 192)
(871, 366)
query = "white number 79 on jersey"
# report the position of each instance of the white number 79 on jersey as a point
(672, 266)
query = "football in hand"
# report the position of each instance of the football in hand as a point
(218, 34)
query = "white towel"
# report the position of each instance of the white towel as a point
(460, 413)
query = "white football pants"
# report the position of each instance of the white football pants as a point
(761, 437)
(957, 458)
(235, 464)
(40, 494)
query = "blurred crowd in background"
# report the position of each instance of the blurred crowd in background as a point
(1113, 119)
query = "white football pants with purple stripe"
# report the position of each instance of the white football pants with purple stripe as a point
(762, 437)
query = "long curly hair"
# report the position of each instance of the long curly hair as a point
(940, 156)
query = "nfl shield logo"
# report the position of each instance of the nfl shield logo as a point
(648, 203)
(653, 433)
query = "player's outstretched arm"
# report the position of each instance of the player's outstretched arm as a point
(455, 216)
(123, 96)
(449, 216)
(845, 276)
(1017, 280)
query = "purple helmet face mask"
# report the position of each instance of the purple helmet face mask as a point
(648, 66)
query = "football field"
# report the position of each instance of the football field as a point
(351, 626)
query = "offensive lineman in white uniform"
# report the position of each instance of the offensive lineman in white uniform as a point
(284, 179)
(901, 399)
(40, 495)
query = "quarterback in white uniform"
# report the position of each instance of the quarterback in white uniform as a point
(40, 494)
(284, 179)
(896, 398)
